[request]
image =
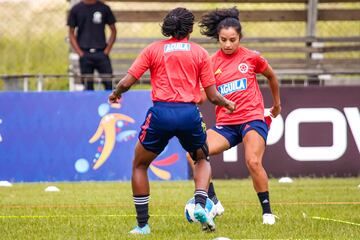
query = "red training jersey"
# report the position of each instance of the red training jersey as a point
(177, 67)
(235, 77)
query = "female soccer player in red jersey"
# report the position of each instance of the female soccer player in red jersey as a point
(177, 68)
(235, 70)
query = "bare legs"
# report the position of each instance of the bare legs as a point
(254, 146)
(139, 179)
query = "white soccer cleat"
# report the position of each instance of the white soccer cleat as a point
(269, 219)
(219, 209)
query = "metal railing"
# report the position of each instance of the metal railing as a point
(71, 82)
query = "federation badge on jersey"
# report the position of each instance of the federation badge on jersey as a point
(243, 67)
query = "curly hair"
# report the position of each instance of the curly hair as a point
(211, 23)
(178, 23)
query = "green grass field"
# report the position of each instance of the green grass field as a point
(104, 210)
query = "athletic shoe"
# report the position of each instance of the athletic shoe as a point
(138, 230)
(269, 219)
(203, 216)
(219, 209)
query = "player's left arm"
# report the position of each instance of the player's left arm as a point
(275, 91)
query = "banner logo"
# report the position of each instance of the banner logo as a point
(111, 130)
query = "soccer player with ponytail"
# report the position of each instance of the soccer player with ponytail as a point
(235, 68)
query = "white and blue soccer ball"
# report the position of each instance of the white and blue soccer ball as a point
(190, 207)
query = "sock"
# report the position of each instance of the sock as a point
(200, 197)
(142, 209)
(212, 194)
(265, 201)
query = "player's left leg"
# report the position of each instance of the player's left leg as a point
(140, 187)
(254, 146)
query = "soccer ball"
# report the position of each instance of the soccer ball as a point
(190, 207)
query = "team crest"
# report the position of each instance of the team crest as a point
(243, 67)
(97, 17)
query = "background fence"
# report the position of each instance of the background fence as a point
(33, 36)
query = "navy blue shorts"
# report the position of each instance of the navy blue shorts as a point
(235, 133)
(165, 120)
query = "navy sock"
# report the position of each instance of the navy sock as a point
(212, 194)
(200, 197)
(265, 201)
(142, 209)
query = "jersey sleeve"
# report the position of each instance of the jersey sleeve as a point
(261, 64)
(110, 18)
(71, 21)
(141, 64)
(206, 72)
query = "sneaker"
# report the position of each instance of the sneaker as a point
(219, 209)
(269, 219)
(204, 218)
(138, 230)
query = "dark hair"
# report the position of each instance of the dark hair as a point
(178, 23)
(211, 23)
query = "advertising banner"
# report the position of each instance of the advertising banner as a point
(77, 136)
(317, 134)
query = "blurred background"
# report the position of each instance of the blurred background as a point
(34, 39)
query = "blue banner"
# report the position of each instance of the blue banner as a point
(77, 136)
